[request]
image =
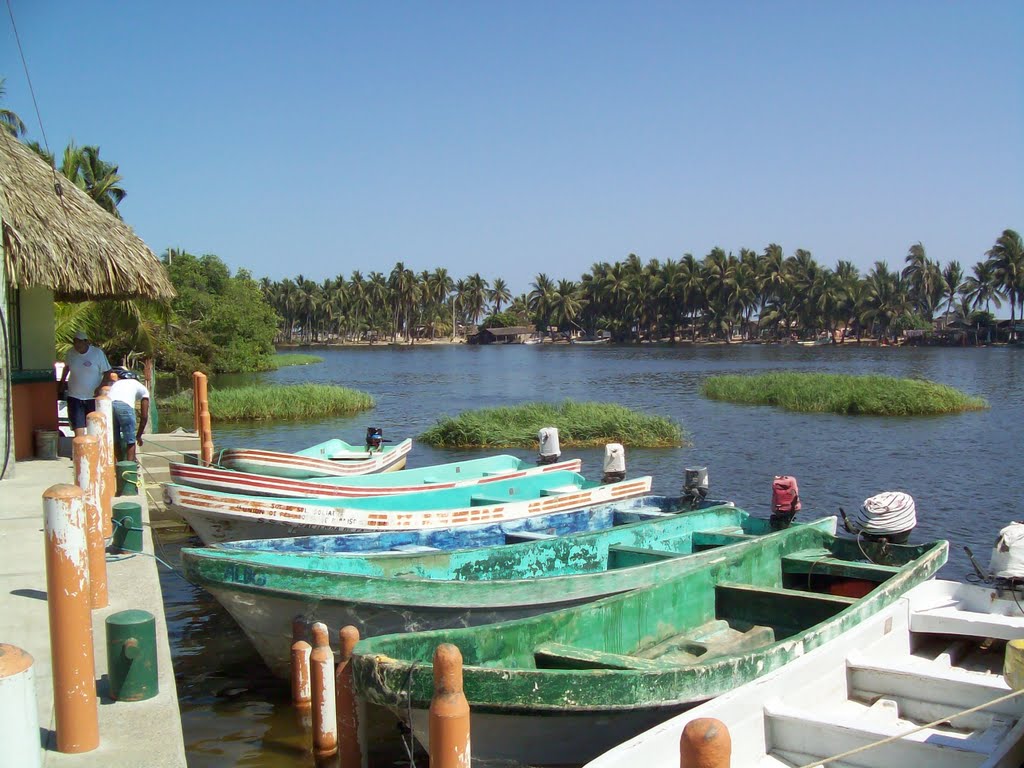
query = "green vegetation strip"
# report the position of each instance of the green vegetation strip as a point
(285, 402)
(284, 360)
(839, 393)
(579, 425)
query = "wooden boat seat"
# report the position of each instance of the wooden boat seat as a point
(775, 606)
(714, 639)
(951, 620)
(719, 538)
(820, 562)
(621, 556)
(413, 548)
(798, 733)
(926, 690)
(561, 656)
(485, 501)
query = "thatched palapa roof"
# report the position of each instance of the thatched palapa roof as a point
(68, 243)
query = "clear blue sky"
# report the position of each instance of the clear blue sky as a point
(513, 138)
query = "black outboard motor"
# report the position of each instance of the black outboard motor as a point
(614, 464)
(550, 451)
(695, 486)
(374, 438)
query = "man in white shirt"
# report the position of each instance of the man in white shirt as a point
(124, 394)
(86, 365)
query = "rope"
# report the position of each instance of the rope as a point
(897, 737)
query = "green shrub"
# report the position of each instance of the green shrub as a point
(841, 393)
(276, 401)
(579, 425)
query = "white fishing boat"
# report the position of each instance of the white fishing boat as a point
(218, 517)
(885, 693)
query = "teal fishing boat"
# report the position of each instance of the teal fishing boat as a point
(562, 687)
(218, 517)
(406, 591)
(332, 458)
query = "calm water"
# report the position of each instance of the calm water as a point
(964, 471)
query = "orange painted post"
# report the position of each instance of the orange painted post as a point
(96, 426)
(67, 596)
(108, 459)
(86, 452)
(325, 716)
(349, 748)
(301, 696)
(206, 436)
(705, 743)
(195, 400)
(449, 712)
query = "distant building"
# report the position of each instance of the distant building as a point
(516, 334)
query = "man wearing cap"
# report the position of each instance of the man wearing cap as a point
(86, 364)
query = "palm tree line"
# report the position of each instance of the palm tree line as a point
(723, 296)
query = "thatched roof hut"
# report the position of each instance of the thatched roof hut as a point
(66, 242)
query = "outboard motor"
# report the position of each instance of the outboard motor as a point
(695, 486)
(785, 502)
(374, 438)
(1007, 564)
(887, 517)
(550, 451)
(614, 463)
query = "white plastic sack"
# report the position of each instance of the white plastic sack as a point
(1008, 553)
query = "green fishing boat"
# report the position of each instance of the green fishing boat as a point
(529, 573)
(563, 687)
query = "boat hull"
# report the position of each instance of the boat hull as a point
(298, 466)
(252, 484)
(218, 518)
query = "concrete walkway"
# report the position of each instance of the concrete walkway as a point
(145, 733)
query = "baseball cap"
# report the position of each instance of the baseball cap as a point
(82, 335)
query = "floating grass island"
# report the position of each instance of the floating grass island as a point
(284, 360)
(580, 425)
(261, 402)
(845, 394)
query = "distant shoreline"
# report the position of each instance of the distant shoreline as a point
(865, 342)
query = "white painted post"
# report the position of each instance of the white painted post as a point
(19, 718)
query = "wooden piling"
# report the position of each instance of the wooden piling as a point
(195, 401)
(203, 417)
(86, 453)
(67, 596)
(325, 715)
(705, 743)
(301, 696)
(449, 712)
(350, 749)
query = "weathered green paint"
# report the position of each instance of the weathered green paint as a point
(704, 641)
(575, 567)
(131, 655)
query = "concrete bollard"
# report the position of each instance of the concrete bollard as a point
(349, 747)
(67, 596)
(449, 712)
(19, 717)
(86, 453)
(705, 743)
(206, 446)
(96, 425)
(325, 715)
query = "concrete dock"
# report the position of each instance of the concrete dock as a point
(146, 733)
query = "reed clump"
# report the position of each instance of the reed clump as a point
(286, 402)
(286, 359)
(580, 425)
(871, 395)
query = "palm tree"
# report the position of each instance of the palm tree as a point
(952, 279)
(97, 178)
(9, 120)
(540, 301)
(498, 294)
(1007, 256)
